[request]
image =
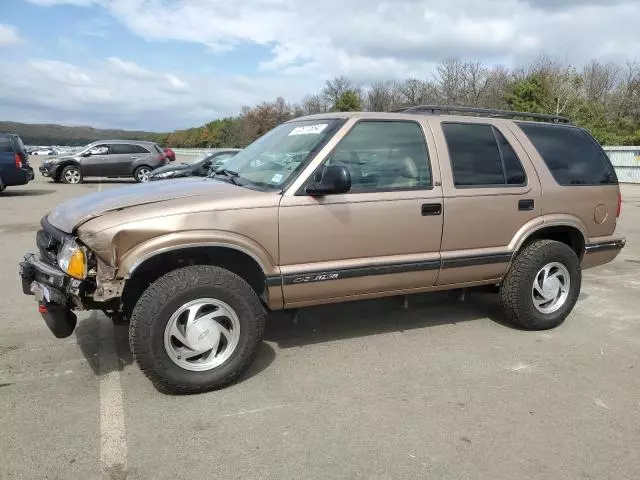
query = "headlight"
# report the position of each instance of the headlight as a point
(72, 259)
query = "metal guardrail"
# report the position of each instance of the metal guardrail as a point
(626, 160)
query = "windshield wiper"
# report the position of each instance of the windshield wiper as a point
(230, 174)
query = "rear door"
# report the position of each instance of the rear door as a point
(123, 157)
(491, 191)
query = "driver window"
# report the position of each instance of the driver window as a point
(99, 150)
(384, 156)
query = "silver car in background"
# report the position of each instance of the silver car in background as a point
(107, 158)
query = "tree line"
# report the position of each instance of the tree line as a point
(603, 97)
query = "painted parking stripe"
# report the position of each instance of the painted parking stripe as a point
(113, 440)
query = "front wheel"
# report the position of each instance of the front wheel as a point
(142, 174)
(542, 286)
(196, 329)
(71, 174)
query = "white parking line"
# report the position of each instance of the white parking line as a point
(113, 440)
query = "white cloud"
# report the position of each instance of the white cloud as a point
(8, 35)
(119, 93)
(309, 43)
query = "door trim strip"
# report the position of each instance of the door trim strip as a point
(385, 269)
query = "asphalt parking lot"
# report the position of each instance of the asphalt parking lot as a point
(445, 389)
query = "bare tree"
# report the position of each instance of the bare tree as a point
(334, 89)
(599, 80)
(312, 104)
(449, 79)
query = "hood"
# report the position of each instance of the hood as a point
(171, 168)
(69, 215)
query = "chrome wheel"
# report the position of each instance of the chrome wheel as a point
(142, 174)
(202, 334)
(72, 175)
(551, 287)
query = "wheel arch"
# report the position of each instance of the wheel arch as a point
(568, 230)
(237, 259)
(65, 163)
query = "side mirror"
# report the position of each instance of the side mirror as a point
(335, 179)
(206, 164)
(85, 154)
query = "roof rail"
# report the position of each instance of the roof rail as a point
(489, 112)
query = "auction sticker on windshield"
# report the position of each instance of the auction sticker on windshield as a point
(308, 129)
(277, 178)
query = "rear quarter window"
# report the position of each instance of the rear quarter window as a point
(5, 144)
(571, 154)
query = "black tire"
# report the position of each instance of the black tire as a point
(164, 297)
(2, 185)
(138, 171)
(69, 169)
(516, 289)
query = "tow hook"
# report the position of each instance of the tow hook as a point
(59, 318)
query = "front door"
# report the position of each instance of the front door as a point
(92, 164)
(382, 236)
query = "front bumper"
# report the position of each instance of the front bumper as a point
(54, 290)
(47, 169)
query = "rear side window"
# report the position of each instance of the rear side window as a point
(571, 154)
(481, 156)
(125, 148)
(5, 144)
(21, 146)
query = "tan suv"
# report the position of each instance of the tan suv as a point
(331, 208)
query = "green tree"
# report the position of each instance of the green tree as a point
(348, 101)
(527, 95)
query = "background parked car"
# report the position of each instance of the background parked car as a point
(107, 158)
(14, 165)
(171, 155)
(201, 167)
(44, 151)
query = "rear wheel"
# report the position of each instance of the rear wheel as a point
(2, 186)
(142, 174)
(542, 285)
(196, 329)
(71, 174)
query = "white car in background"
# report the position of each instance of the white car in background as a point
(44, 151)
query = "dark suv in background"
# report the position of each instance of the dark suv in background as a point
(14, 165)
(107, 158)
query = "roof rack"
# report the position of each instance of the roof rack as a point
(489, 112)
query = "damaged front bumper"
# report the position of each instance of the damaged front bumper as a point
(56, 292)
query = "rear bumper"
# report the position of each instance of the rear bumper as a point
(602, 250)
(17, 176)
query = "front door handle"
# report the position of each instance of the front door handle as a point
(526, 204)
(431, 209)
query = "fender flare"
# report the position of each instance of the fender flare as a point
(172, 242)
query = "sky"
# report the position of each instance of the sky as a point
(160, 65)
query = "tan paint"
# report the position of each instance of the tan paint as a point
(289, 234)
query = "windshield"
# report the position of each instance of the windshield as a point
(276, 156)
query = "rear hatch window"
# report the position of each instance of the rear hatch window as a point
(571, 154)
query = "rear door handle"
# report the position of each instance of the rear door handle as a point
(431, 209)
(526, 204)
